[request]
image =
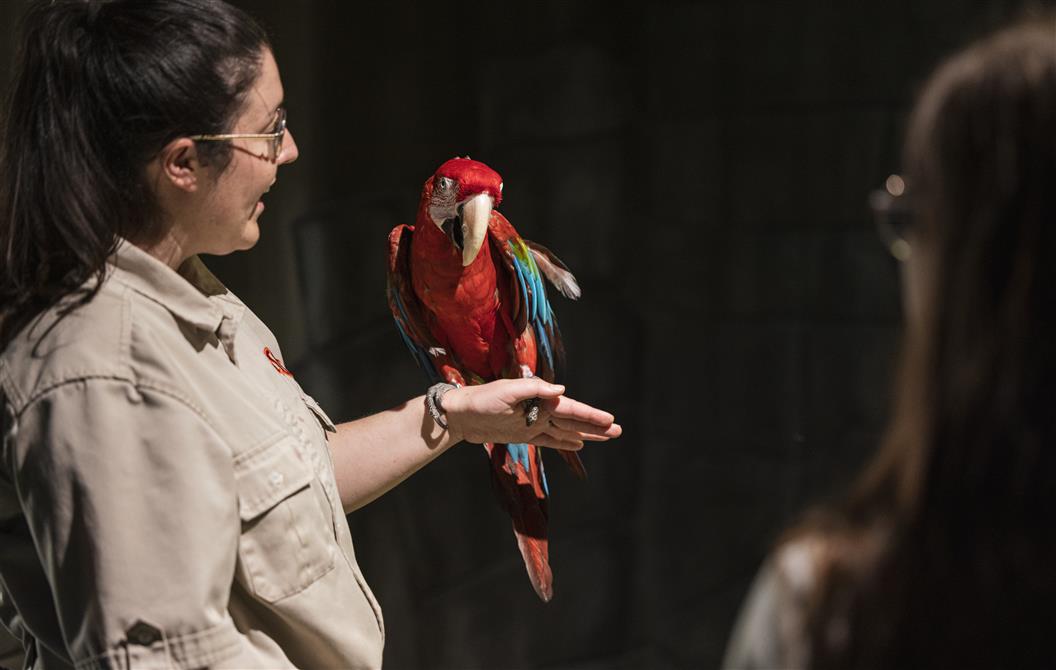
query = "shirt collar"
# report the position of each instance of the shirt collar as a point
(185, 293)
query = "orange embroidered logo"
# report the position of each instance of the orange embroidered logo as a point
(276, 363)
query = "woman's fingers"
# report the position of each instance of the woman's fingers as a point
(556, 431)
(554, 442)
(586, 431)
(565, 408)
(561, 406)
(564, 434)
(519, 390)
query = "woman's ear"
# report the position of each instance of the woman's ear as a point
(178, 164)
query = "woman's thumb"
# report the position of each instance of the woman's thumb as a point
(546, 390)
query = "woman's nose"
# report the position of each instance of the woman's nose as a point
(288, 152)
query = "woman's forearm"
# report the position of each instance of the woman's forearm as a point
(375, 453)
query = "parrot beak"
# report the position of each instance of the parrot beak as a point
(476, 212)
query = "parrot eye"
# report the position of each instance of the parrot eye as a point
(443, 183)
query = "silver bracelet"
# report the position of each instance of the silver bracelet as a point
(433, 402)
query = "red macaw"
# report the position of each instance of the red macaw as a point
(467, 295)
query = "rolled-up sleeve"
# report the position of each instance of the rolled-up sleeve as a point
(129, 496)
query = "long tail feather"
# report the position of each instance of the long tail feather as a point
(536, 561)
(520, 486)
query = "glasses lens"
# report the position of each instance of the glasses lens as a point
(893, 221)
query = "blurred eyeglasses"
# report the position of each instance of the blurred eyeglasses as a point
(893, 214)
(276, 136)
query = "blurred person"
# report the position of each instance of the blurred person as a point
(169, 495)
(943, 555)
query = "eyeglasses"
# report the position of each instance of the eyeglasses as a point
(276, 136)
(892, 211)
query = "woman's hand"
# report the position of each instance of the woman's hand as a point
(495, 412)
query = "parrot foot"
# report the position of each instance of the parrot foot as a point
(531, 411)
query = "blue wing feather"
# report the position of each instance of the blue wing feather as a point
(532, 289)
(419, 353)
(520, 453)
(533, 294)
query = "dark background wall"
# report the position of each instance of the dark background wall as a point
(703, 168)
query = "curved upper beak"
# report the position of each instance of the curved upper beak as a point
(476, 212)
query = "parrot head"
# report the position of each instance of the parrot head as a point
(461, 195)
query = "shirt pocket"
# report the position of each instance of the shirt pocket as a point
(286, 543)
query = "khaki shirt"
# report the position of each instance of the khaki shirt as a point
(167, 496)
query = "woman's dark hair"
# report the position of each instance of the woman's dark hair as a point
(100, 87)
(945, 554)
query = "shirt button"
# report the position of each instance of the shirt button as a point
(276, 478)
(142, 633)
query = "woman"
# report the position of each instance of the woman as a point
(943, 556)
(169, 496)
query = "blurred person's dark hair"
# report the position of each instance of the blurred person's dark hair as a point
(100, 87)
(944, 554)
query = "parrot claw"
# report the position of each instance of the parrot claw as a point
(437, 351)
(531, 411)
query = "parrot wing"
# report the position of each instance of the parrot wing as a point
(554, 270)
(406, 309)
(527, 263)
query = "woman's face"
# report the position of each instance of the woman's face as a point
(233, 202)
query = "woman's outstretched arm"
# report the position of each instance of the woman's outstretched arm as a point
(375, 453)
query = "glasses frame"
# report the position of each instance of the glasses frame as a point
(276, 137)
(893, 214)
